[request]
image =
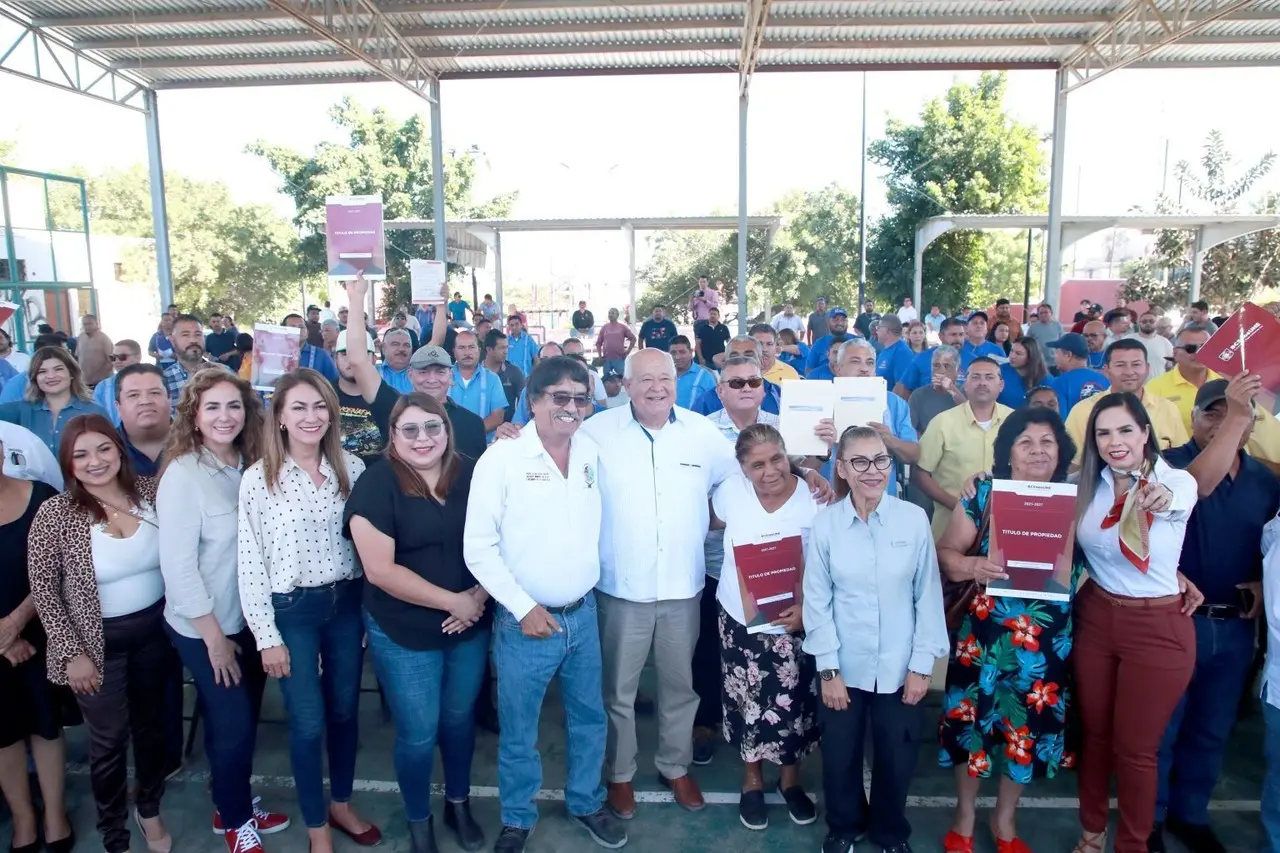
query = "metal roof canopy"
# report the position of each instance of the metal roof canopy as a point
(470, 240)
(124, 51)
(1209, 231)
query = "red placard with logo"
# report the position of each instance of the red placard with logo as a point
(1248, 341)
(1033, 527)
(770, 572)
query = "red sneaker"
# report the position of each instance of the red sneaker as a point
(268, 822)
(243, 840)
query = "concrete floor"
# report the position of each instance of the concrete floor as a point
(1048, 817)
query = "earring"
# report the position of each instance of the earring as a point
(282, 427)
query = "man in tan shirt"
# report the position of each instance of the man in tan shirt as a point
(93, 351)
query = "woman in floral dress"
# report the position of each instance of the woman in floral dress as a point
(769, 691)
(1006, 697)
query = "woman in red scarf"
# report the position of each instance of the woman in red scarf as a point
(1135, 644)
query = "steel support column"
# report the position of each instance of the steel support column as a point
(743, 233)
(1053, 242)
(437, 174)
(159, 213)
(497, 270)
(1198, 251)
(862, 209)
(630, 233)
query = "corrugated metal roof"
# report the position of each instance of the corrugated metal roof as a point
(192, 43)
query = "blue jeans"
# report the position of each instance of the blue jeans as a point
(525, 668)
(322, 630)
(230, 716)
(614, 365)
(1191, 753)
(1271, 781)
(432, 695)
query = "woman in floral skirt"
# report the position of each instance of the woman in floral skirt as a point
(1005, 703)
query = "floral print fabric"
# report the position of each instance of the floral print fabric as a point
(769, 691)
(1006, 697)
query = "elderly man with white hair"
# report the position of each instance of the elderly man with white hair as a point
(666, 460)
(397, 349)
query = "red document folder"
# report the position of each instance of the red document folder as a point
(1249, 340)
(1033, 528)
(770, 572)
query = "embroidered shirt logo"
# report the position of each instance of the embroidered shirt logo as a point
(589, 476)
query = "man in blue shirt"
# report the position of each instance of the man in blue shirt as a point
(475, 388)
(976, 344)
(895, 357)
(220, 344)
(397, 349)
(1095, 338)
(311, 356)
(1222, 555)
(458, 310)
(1075, 380)
(658, 332)
(742, 345)
(692, 380)
(920, 373)
(522, 349)
(838, 323)
(143, 401)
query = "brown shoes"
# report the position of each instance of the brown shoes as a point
(622, 800)
(686, 792)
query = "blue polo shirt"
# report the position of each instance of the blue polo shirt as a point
(318, 360)
(894, 361)
(104, 394)
(1076, 385)
(481, 395)
(797, 362)
(818, 352)
(521, 351)
(1223, 542)
(968, 352)
(898, 419)
(696, 382)
(143, 465)
(920, 373)
(1098, 360)
(15, 389)
(708, 403)
(397, 379)
(1014, 393)
(822, 371)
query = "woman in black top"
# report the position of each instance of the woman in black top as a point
(31, 709)
(426, 616)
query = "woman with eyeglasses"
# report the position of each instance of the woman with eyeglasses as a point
(427, 619)
(1006, 698)
(1135, 644)
(769, 690)
(216, 432)
(94, 566)
(874, 623)
(301, 591)
(55, 394)
(1024, 371)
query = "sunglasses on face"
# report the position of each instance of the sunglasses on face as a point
(862, 464)
(431, 429)
(114, 357)
(564, 398)
(1189, 349)
(738, 383)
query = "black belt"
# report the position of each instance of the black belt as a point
(566, 609)
(1219, 611)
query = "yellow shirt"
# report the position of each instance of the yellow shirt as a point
(780, 372)
(954, 448)
(1264, 444)
(1164, 414)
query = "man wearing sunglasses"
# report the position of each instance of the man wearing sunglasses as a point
(743, 345)
(123, 354)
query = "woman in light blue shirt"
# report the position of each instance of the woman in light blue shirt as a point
(55, 394)
(873, 620)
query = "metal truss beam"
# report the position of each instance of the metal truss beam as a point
(359, 29)
(46, 58)
(753, 25)
(1139, 30)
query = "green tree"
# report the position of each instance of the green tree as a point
(964, 155)
(8, 147)
(382, 156)
(228, 257)
(1232, 271)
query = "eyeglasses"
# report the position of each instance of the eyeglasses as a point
(431, 429)
(564, 398)
(114, 357)
(862, 464)
(738, 383)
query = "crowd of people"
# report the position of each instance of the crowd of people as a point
(395, 496)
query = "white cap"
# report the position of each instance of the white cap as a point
(341, 346)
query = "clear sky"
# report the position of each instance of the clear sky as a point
(638, 146)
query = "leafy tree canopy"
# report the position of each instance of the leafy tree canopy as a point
(964, 155)
(382, 156)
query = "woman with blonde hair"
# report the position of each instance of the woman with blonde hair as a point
(301, 590)
(55, 394)
(94, 566)
(216, 432)
(917, 336)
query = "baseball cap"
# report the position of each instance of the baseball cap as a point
(1072, 342)
(430, 356)
(1210, 393)
(341, 345)
(612, 374)
(837, 312)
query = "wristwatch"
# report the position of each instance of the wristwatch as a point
(828, 674)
